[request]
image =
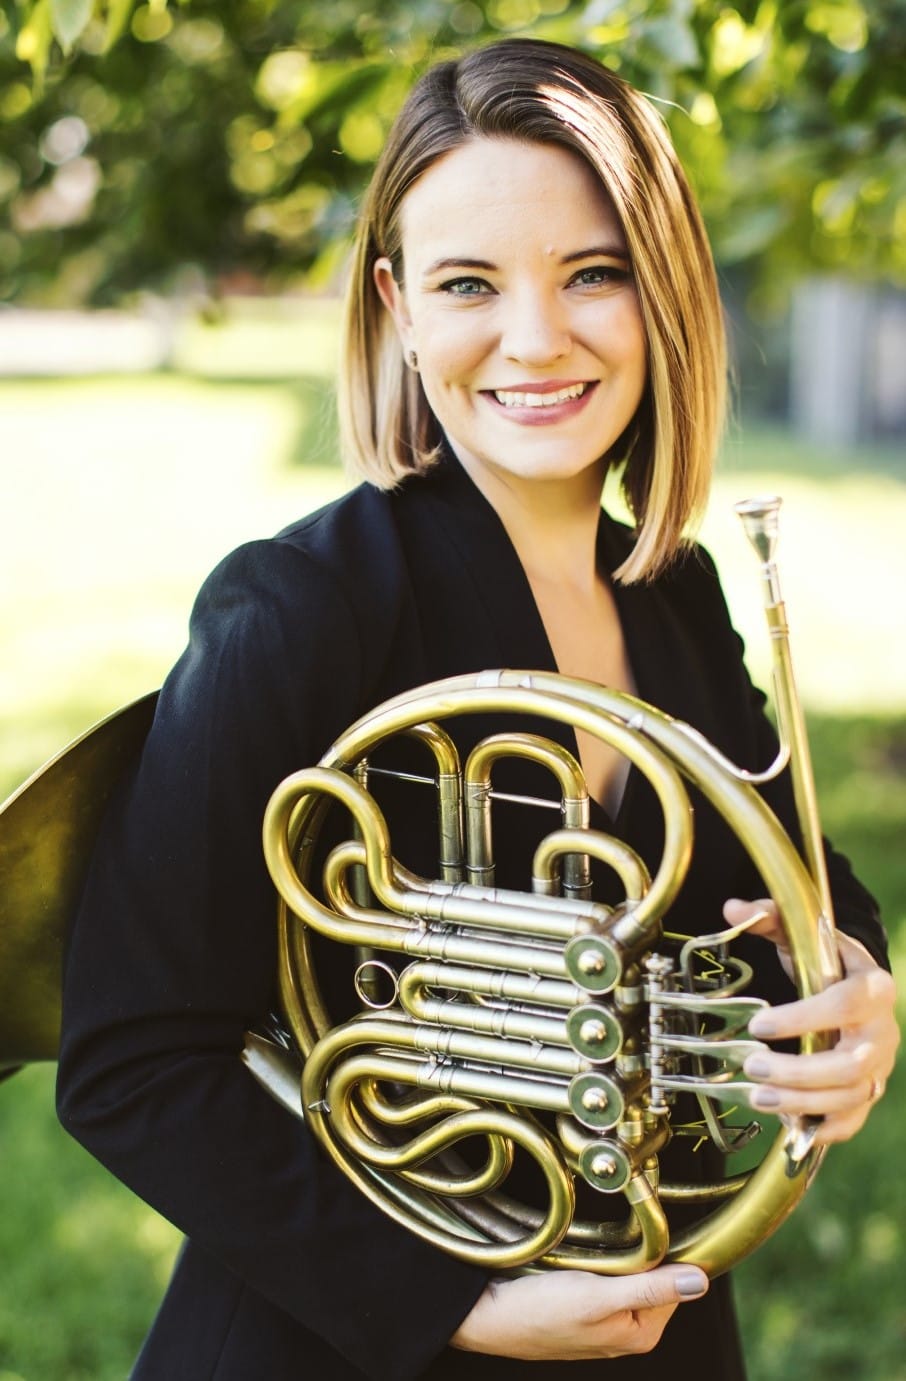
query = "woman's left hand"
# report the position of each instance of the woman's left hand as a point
(841, 1084)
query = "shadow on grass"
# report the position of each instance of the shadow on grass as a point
(754, 446)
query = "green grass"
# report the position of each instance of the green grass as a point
(83, 1260)
(119, 495)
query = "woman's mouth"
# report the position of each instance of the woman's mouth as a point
(525, 398)
(541, 403)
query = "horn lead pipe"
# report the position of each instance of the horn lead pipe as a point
(760, 518)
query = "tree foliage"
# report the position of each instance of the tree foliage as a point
(229, 139)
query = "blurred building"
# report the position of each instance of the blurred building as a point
(847, 361)
(832, 366)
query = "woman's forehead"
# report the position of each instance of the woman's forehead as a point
(507, 193)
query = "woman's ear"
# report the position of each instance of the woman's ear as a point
(394, 299)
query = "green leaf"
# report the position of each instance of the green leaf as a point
(68, 19)
(118, 13)
(34, 40)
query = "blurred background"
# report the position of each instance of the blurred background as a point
(177, 190)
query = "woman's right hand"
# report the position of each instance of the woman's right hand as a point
(575, 1315)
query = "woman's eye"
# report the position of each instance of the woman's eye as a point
(465, 287)
(600, 274)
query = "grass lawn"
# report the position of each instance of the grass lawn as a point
(118, 496)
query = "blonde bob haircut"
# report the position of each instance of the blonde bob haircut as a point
(546, 93)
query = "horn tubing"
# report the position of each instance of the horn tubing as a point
(769, 1194)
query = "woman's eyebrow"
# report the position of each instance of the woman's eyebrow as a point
(455, 263)
(615, 251)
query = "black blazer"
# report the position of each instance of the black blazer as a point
(288, 1272)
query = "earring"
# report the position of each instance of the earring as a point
(412, 359)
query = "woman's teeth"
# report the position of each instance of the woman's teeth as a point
(539, 400)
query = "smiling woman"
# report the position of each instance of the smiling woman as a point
(643, 222)
(536, 368)
(532, 303)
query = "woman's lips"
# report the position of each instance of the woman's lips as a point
(541, 404)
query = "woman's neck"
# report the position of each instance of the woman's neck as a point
(552, 524)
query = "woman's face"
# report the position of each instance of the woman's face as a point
(520, 304)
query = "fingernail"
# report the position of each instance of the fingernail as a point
(690, 1284)
(761, 1025)
(757, 1067)
(765, 1098)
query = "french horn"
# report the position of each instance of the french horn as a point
(540, 1024)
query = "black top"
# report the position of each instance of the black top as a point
(288, 1271)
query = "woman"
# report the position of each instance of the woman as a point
(532, 300)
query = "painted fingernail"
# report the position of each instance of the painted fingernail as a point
(757, 1067)
(765, 1098)
(690, 1284)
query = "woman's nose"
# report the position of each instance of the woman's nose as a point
(534, 331)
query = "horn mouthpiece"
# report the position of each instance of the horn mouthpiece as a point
(760, 520)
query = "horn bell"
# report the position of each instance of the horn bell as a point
(47, 829)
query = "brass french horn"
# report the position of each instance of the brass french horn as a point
(540, 1023)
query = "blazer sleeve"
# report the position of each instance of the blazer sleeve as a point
(172, 956)
(750, 737)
